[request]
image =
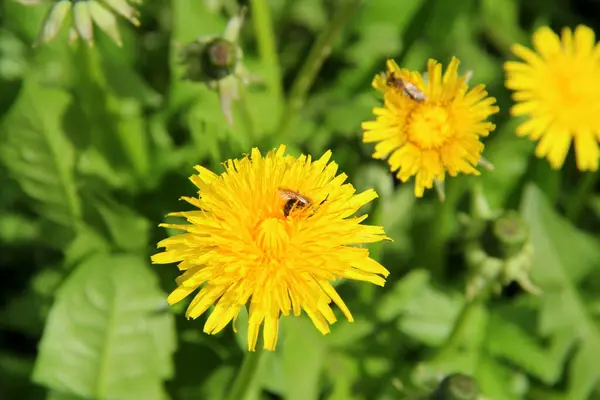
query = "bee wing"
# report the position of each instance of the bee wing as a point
(286, 194)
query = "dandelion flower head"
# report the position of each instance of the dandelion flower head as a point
(429, 136)
(250, 242)
(557, 90)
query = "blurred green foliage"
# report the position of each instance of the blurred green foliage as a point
(96, 145)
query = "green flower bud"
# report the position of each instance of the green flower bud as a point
(457, 387)
(82, 19)
(210, 59)
(105, 21)
(219, 58)
(54, 21)
(124, 9)
(498, 252)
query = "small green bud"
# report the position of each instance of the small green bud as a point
(498, 252)
(54, 21)
(106, 21)
(512, 233)
(124, 9)
(457, 387)
(82, 19)
(219, 58)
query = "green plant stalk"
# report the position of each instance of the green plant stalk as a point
(246, 117)
(577, 203)
(433, 255)
(267, 47)
(246, 376)
(317, 55)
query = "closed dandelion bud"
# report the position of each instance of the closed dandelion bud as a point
(499, 254)
(217, 62)
(219, 58)
(457, 387)
(54, 21)
(105, 21)
(210, 59)
(82, 19)
(511, 234)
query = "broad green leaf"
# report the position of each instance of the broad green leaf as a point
(396, 300)
(429, 316)
(37, 153)
(107, 335)
(507, 340)
(562, 257)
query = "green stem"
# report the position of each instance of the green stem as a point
(267, 48)
(246, 376)
(246, 116)
(578, 201)
(317, 55)
(434, 255)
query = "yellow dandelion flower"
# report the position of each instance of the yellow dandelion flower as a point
(273, 232)
(428, 129)
(558, 90)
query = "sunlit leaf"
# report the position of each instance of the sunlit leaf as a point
(108, 335)
(38, 154)
(562, 257)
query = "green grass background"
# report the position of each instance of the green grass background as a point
(96, 146)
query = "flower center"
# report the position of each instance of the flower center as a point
(272, 237)
(429, 126)
(573, 94)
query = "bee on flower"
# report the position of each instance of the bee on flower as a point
(428, 129)
(271, 233)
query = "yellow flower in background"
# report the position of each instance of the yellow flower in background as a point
(428, 129)
(558, 90)
(273, 232)
(84, 14)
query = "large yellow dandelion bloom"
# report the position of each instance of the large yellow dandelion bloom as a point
(558, 90)
(433, 128)
(273, 232)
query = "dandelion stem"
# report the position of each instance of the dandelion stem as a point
(246, 376)
(581, 196)
(267, 48)
(317, 55)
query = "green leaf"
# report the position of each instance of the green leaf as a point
(107, 334)
(128, 230)
(346, 334)
(395, 301)
(303, 354)
(16, 228)
(510, 156)
(429, 315)
(509, 341)
(86, 242)
(562, 257)
(37, 153)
